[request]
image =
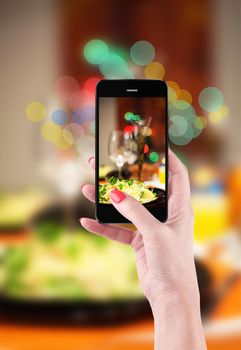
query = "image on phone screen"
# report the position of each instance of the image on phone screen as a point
(132, 151)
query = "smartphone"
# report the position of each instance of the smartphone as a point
(131, 146)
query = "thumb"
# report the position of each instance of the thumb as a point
(134, 211)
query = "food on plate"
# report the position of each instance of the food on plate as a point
(135, 188)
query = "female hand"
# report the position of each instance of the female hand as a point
(164, 258)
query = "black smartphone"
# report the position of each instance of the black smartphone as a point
(131, 146)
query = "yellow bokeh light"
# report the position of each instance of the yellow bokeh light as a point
(61, 143)
(172, 96)
(68, 137)
(154, 70)
(35, 111)
(51, 131)
(217, 116)
(205, 122)
(184, 95)
(173, 85)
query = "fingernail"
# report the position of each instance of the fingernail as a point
(117, 196)
(89, 160)
(81, 187)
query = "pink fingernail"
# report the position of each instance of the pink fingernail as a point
(89, 160)
(117, 196)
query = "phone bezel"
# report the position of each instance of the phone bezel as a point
(118, 88)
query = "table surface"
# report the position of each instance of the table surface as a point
(137, 335)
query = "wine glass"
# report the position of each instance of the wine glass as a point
(116, 149)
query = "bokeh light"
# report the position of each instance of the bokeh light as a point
(90, 84)
(142, 52)
(86, 146)
(68, 137)
(66, 86)
(59, 117)
(196, 131)
(210, 99)
(129, 74)
(183, 108)
(92, 127)
(136, 117)
(80, 99)
(173, 85)
(114, 67)
(128, 129)
(61, 143)
(72, 133)
(184, 95)
(172, 95)
(86, 114)
(147, 131)
(146, 148)
(96, 51)
(154, 70)
(51, 131)
(180, 141)
(128, 116)
(154, 156)
(179, 126)
(113, 63)
(200, 122)
(220, 114)
(35, 111)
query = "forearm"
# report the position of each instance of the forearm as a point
(177, 322)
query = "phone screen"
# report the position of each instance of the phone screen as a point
(131, 152)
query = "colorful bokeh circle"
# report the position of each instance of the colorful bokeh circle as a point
(35, 111)
(142, 52)
(154, 70)
(210, 99)
(96, 51)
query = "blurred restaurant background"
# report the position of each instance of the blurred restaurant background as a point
(60, 286)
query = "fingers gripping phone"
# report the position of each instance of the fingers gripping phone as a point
(131, 146)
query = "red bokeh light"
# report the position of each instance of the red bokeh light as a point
(80, 99)
(66, 86)
(146, 148)
(90, 84)
(128, 129)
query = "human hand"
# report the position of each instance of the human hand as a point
(164, 254)
(164, 258)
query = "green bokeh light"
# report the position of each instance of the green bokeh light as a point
(172, 96)
(142, 52)
(189, 133)
(114, 67)
(96, 51)
(179, 126)
(179, 141)
(184, 139)
(154, 156)
(184, 109)
(196, 132)
(135, 117)
(198, 123)
(129, 74)
(128, 116)
(210, 99)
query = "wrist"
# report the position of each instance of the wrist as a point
(180, 298)
(177, 320)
